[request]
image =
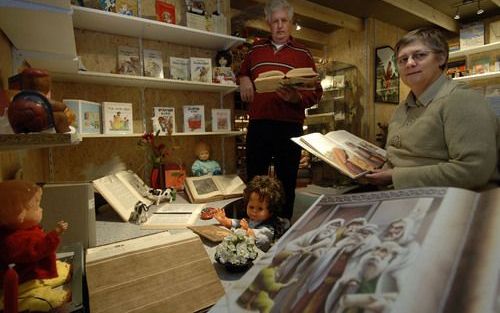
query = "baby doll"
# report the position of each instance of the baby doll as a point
(203, 166)
(25, 244)
(263, 197)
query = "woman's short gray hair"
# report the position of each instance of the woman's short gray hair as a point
(433, 38)
(274, 5)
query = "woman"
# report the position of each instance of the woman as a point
(442, 134)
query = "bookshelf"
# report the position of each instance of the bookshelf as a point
(37, 140)
(467, 53)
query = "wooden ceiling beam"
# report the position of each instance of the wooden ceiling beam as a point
(324, 14)
(497, 2)
(305, 34)
(426, 12)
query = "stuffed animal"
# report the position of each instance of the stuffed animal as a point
(33, 251)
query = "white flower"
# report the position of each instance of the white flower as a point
(237, 248)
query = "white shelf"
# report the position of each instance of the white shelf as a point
(478, 76)
(119, 24)
(37, 140)
(225, 133)
(140, 81)
(468, 51)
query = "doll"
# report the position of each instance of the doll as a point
(204, 166)
(33, 251)
(263, 198)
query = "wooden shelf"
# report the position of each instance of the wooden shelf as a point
(140, 81)
(478, 76)
(119, 24)
(468, 51)
(37, 140)
(224, 134)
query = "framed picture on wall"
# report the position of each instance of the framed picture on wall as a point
(386, 76)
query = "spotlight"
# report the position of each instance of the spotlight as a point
(297, 27)
(457, 14)
(479, 10)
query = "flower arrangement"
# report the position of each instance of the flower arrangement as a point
(156, 152)
(236, 249)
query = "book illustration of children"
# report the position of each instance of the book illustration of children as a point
(263, 198)
(203, 74)
(117, 122)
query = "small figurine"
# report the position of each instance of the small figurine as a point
(263, 198)
(33, 251)
(204, 166)
(223, 73)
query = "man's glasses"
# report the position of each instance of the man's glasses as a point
(416, 56)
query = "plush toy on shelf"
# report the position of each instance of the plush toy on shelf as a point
(203, 165)
(32, 251)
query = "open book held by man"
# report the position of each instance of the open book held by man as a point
(348, 153)
(302, 78)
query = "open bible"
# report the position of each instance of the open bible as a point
(412, 250)
(346, 152)
(303, 78)
(212, 188)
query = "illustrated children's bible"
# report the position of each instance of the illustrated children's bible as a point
(348, 153)
(398, 251)
(212, 188)
(302, 78)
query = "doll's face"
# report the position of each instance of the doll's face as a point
(33, 211)
(203, 155)
(257, 209)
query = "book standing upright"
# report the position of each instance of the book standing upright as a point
(201, 69)
(129, 62)
(88, 115)
(194, 118)
(117, 118)
(179, 68)
(153, 63)
(221, 120)
(164, 120)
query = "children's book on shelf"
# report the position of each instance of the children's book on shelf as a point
(201, 69)
(164, 120)
(194, 118)
(346, 152)
(412, 250)
(221, 120)
(302, 78)
(122, 191)
(129, 62)
(173, 216)
(456, 69)
(480, 65)
(165, 12)
(88, 115)
(117, 118)
(224, 75)
(179, 68)
(153, 63)
(471, 35)
(207, 188)
(126, 7)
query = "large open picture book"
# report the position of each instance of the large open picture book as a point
(405, 251)
(346, 152)
(174, 216)
(302, 78)
(207, 188)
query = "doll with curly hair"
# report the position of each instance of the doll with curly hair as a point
(33, 251)
(263, 198)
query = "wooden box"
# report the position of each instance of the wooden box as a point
(157, 273)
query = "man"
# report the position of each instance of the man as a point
(277, 116)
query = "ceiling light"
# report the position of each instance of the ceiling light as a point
(297, 27)
(457, 14)
(479, 10)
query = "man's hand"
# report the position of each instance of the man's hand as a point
(246, 89)
(379, 177)
(289, 94)
(61, 227)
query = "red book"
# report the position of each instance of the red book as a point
(165, 12)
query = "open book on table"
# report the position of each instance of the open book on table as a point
(302, 78)
(122, 191)
(412, 250)
(348, 153)
(207, 188)
(173, 216)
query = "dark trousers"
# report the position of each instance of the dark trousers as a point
(268, 142)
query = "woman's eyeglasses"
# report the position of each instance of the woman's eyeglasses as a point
(416, 56)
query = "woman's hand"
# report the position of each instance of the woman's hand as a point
(246, 89)
(379, 177)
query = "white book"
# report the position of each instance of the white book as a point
(174, 216)
(201, 69)
(221, 120)
(88, 115)
(117, 118)
(129, 62)
(153, 63)
(194, 118)
(179, 68)
(164, 120)
(213, 188)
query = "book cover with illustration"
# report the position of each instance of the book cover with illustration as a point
(221, 120)
(129, 62)
(201, 69)
(126, 7)
(164, 120)
(179, 68)
(117, 118)
(194, 118)
(165, 12)
(153, 63)
(88, 115)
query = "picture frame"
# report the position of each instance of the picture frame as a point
(386, 76)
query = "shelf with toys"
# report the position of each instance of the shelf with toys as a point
(470, 60)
